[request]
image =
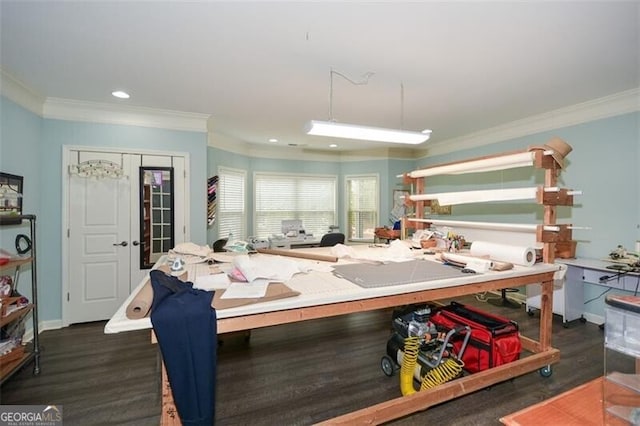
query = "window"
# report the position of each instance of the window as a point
(309, 198)
(362, 206)
(231, 208)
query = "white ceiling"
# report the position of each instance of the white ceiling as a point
(262, 69)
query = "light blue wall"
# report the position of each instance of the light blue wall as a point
(38, 157)
(20, 136)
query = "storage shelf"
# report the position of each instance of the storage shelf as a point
(32, 352)
(629, 414)
(15, 315)
(631, 381)
(14, 263)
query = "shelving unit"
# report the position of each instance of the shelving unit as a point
(22, 356)
(552, 239)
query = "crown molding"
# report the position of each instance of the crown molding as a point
(607, 106)
(20, 93)
(95, 112)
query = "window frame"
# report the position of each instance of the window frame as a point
(347, 203)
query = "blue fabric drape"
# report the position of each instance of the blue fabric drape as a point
(185, 325)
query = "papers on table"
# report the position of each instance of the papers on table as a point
(212, 282)
(251, 290)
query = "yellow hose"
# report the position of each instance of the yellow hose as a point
(409, 360)
(448, 370)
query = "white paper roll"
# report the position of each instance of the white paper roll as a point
(638, 247)
(484, 264)
(518, 255)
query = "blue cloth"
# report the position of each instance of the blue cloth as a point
(185, 325)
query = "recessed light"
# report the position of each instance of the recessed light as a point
(273, 140)
(120, 94)
(333, 145)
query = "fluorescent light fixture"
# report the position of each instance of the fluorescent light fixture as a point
(353, 131)
(120, 94)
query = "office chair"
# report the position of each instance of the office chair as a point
(329, 240)
(218, 246)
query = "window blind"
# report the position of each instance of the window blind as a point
(309, 198)
(231, 203)
(362, 206)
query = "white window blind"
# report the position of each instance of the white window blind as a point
(309, 198)
(362, 206)
(231, 204)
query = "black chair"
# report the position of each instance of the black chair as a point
(330, 240)
(218, 246)
(504, 300)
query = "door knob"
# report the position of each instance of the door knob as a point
(135, 243)
(123, 244)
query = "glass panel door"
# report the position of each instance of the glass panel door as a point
(156, 214)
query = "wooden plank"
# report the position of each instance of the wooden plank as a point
(403, 406)
(169, 415)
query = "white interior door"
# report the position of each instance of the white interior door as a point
(99, 218)
(104, 232)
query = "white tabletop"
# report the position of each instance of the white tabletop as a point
(321, 288)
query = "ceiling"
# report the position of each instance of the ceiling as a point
(262, 69)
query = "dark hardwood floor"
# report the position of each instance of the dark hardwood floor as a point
(295, 374)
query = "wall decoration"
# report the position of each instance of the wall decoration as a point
(212, 190)
(10, 197)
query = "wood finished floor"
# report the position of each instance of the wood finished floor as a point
(295, 374)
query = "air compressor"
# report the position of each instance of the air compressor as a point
(422, 351)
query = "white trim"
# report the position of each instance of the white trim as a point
(608, 106)
(42, 326)
(20, 93)
(94, 112)
(66, 149)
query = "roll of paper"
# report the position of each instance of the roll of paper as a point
(480, 265)
(638, 247)
(518, 255)
(140, 306)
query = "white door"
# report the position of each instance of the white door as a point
(104, 231)
(99, 258)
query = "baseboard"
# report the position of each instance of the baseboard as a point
(43, 326)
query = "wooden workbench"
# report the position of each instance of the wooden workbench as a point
(325, 295)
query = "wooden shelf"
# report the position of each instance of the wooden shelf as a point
(7, 369)
(15, 263)
(16, 315)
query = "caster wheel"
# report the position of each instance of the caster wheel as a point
(530, 312)
(565, 325)
(546, 371)
(386, 363)
(583, 320)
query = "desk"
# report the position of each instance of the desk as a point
(568, 297)
(324, 295)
